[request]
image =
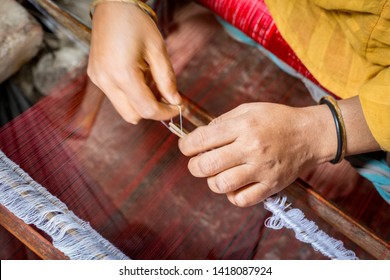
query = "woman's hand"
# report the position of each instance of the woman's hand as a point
(257, 149)
(125, 45)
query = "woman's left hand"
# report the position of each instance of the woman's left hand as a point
(257, 149)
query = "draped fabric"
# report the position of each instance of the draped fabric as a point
(346, 47)
(254, 19)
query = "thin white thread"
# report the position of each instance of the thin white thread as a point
(181, 119)
(165, 124)
(172, 126)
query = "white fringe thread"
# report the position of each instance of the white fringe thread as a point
(305, 230)
(33, 204)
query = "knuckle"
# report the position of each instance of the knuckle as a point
(109, 74)
(199, 137)
(250, 123)
(90, 72)
(268, 189)
(212, 185)
(130, 118)
(93, 76)
(184, 147)
(101, 80)
(240, 199)
(208, 165)
(156, 46)
(150, 111)
(216, 121)
(243, 107)
(257, 146)
(104, 83)
(121, 77)
(168, 83)
(193, 142)
(223, 184)
(193, 168)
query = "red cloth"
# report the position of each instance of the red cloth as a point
(254, 19)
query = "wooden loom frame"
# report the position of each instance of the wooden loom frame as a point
(323, 208)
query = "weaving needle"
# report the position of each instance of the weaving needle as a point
(179, 131)
(176, 130)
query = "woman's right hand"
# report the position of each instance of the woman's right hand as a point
(125, 45)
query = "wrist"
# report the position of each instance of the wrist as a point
(359, 137)
(321, 135)
(319, 132)
(138, 3)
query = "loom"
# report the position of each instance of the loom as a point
(66, 150)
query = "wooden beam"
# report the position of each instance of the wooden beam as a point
(300, 192)
(79, 30)
(29, 236)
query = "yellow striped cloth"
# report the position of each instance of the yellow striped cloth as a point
(346, 46)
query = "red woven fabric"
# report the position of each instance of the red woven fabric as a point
(254, 19)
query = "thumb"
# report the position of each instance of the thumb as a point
(163, 75)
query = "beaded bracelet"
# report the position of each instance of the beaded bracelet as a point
(340, 127)
(143, 6)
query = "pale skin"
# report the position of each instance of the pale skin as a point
(248, 153)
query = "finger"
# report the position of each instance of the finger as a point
(232, 179)
(162, 71)
(122, 105)
(143, 100)
(236, 112)
(207, 138)
(215, 161)
(250, 195)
